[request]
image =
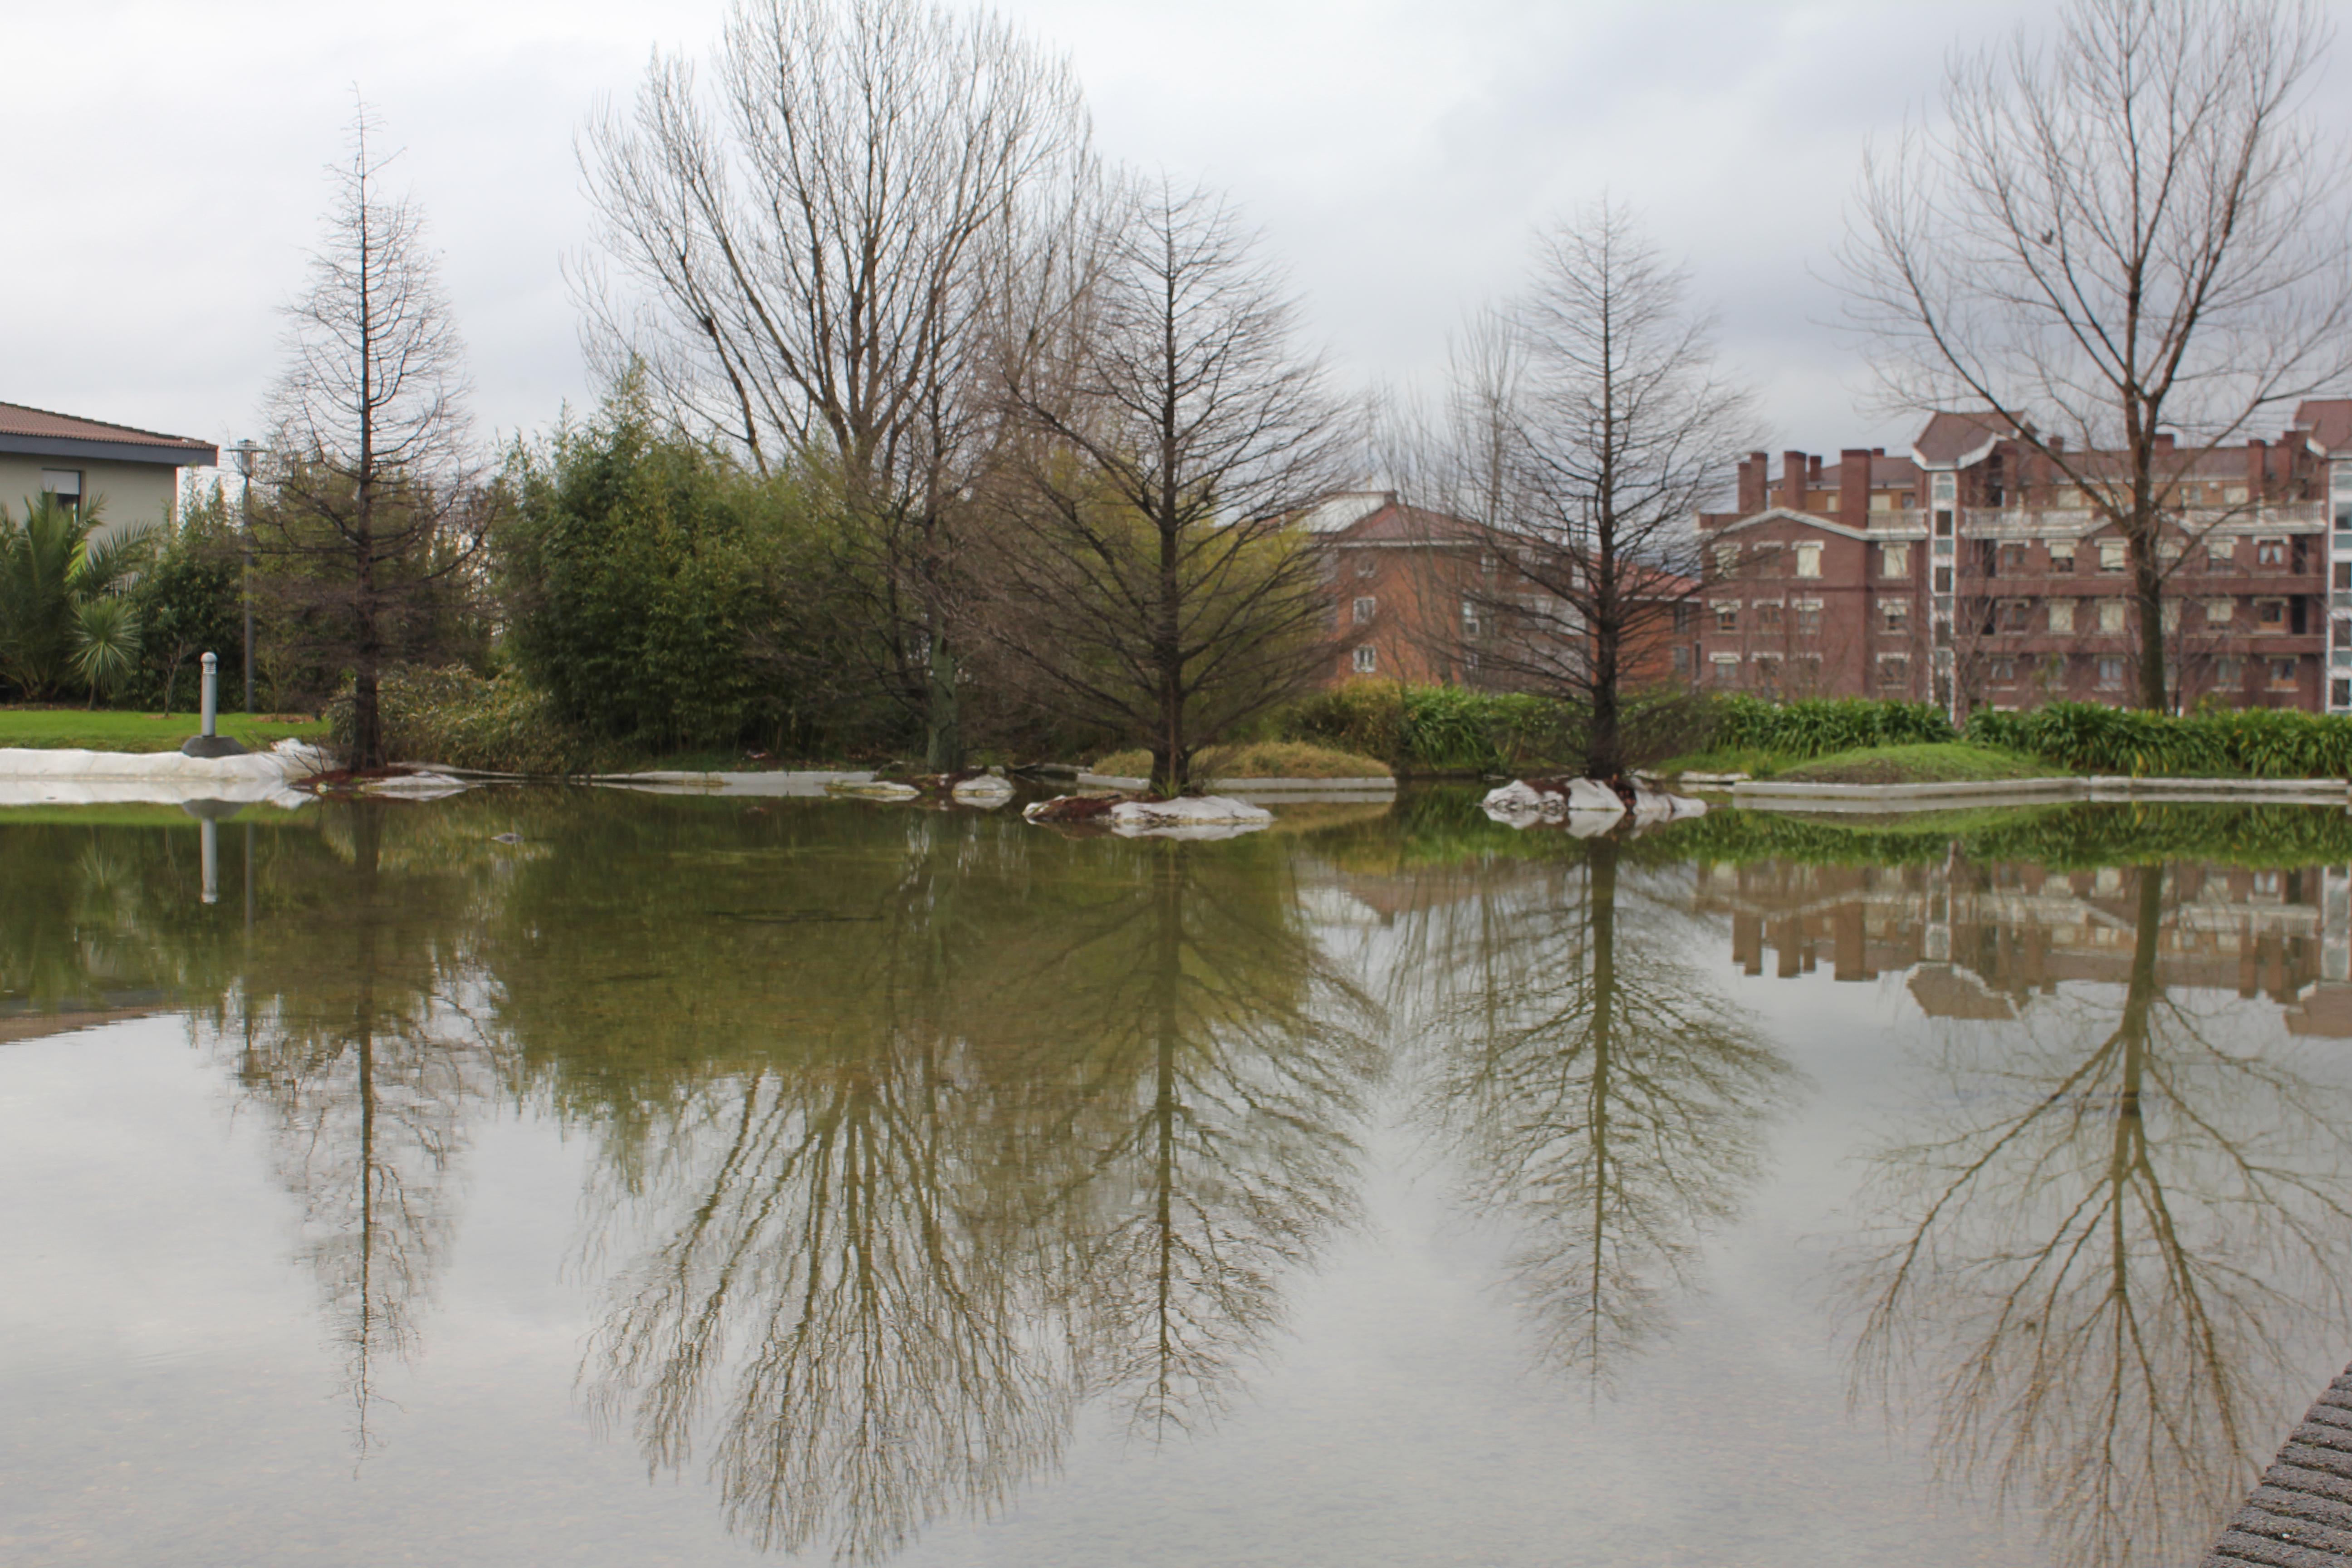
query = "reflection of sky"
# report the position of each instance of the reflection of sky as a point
(164, 1381)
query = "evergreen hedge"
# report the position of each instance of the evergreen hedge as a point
(2250, 743)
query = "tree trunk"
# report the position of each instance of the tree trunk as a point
(943, 713)
(2148, 595)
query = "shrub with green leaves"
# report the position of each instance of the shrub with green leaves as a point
(1815, 727)
(457, 719)
(2252, 743)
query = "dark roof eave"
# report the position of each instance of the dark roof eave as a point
(188, 455)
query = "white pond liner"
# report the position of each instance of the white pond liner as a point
(43, 776)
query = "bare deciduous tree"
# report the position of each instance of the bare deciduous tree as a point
(1172, 431)
(377, 512)
(815, 251)
(1589, 424)
(2127, 226)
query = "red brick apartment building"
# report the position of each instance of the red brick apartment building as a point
(1966, 572)
(1429, 599)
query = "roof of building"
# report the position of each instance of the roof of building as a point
(1334, 512)
(1394, 522)
(1952, 436)
(2329, 420)
(42, 433)
(1885, 472)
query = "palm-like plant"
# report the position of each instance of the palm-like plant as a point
(54, 578)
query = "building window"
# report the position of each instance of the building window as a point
(1894, 617)
(2227, 671)
(2111, 616)
(1470, 618)
(2061, 615)
(1894, 561)
(1894, 670)
(2283, 673)
(2220, 549)
(2062, 555)
(2340, 632)
(2234, 496)
(65, 485)
(1768, 615)
(2168, 551)
(1365, 606)
(1943, 524)
(1685, 618)
(1809, 561)
(1366, 565)
(1727, 617)
(1943, 579)
(2114, 556)
(2013, 615)
(2004, 672)
(2344, 577)
(1367, 660)
(2013, 559)
(2270, 552)
(2111, 671)
(2218, 611)
(1809, 618)
(1726, 669)
(1768, 670)
(1682, 658)
(1727, 560)
(2270, 615)
(2339, 693)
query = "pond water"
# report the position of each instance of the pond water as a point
(596, 1178)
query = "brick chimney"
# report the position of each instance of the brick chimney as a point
(2258, 456)
(1854, 487)
(1755, 473)
(1792, 481)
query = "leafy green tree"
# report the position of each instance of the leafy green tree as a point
(59, 616)
(638, 571)
(188, 601)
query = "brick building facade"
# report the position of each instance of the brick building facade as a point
(1428, 599)
(1969, 574)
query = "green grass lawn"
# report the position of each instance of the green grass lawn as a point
(1942, 761)
(105, 730)
(1257, 760)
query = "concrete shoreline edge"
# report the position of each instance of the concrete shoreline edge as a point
(1772, 795)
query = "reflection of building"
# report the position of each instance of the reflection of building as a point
(24, 1021)
(1981, 941)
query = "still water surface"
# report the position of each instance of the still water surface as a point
(701, 1181)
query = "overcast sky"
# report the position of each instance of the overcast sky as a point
(165, 167)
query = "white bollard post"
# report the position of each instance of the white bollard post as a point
(212, 694)
(209, 854)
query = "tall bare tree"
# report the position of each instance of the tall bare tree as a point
(812, 250)
(2125, 229)
(377, 510)
(1172, 431)
(1589, 424)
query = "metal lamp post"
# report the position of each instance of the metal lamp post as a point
(246, 452)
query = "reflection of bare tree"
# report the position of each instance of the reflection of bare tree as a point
(1044, 1136)
(2100, 1275)
(353, 1031)
(1220, 1062)
(836, 1288)
(1609, 1104)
